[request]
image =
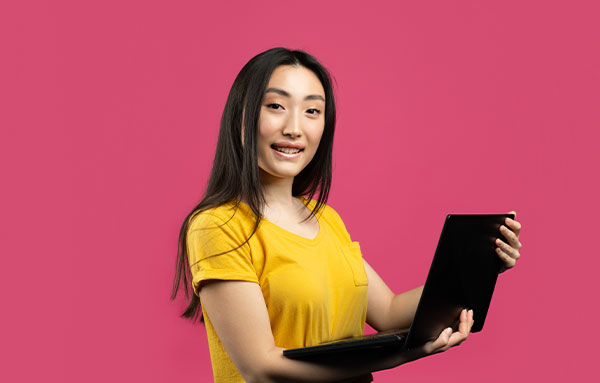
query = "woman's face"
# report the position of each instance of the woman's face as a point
(291, 121)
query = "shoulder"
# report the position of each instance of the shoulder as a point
(226, 218)
(331, 213)
(215, 245)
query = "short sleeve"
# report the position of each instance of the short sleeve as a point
(214, 251)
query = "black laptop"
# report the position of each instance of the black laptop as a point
(462, 275)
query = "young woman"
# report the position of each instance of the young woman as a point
(273, 267)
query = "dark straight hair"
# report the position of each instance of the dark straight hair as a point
(235, 172)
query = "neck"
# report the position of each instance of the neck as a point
(277, 190)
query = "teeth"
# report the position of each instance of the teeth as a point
(287, 150)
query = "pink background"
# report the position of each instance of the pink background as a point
(109, 115)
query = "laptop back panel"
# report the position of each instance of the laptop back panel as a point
(463, 274)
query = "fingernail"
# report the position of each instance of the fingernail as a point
(448, 331)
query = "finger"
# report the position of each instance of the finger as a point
(463, 325)
(448, 338)
(471, 320)
(515, 226)
(513, 212)
(512, 238)
(459, 336)
(514, 253)
(444, 346)
(439, 344)
(464, 328)
(507, 260)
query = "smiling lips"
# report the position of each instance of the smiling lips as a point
(287, 150)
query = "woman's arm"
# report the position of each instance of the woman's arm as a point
(385, 310)
(238, 312)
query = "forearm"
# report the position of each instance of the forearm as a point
(279, 368)
(385, 310)
(403, 308)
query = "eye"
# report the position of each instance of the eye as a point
(274, 106)
(313, 111)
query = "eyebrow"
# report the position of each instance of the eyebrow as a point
(286, 94)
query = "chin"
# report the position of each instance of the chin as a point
(281, 173)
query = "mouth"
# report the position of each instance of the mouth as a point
(287, 152)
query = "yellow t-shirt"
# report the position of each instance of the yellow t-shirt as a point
(315, 290)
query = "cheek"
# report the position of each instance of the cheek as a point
(315, 136)
(261, 133)
(264, 136)
(266, 128)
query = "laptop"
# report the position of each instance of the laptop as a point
(462, 275)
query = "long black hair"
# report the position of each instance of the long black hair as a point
(235, 172)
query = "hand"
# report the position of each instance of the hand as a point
(509, 251)
(447, 338)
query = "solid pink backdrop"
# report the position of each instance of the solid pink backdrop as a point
(109, 115)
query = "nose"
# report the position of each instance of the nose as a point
(292, 126)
